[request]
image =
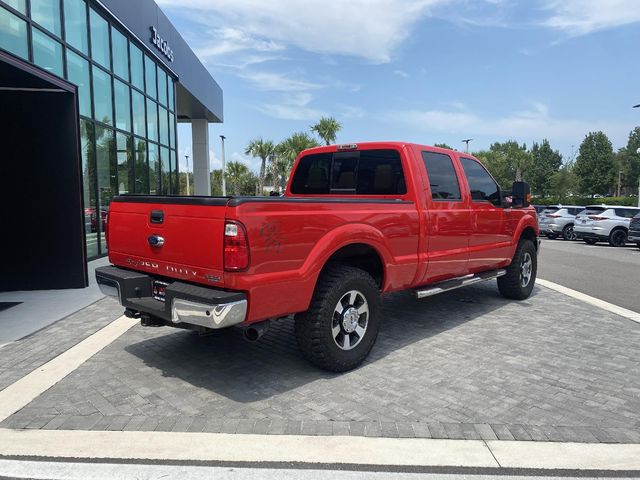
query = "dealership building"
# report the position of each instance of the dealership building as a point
(90, 96)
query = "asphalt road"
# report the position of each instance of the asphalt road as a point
(605, 272)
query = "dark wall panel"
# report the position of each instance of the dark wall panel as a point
(42, 237)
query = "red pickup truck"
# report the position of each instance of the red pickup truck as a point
(355, 221)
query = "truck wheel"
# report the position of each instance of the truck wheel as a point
(518, 283)
(342, 323)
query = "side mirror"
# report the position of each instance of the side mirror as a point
(521, 194)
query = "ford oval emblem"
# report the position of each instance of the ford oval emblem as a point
(156, 241)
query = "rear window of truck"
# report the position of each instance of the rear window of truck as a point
(361, 172)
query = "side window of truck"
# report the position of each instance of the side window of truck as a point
(442, 176)
(483, 187)
(363, 172)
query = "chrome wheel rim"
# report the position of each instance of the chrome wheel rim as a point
(570, 235)
(526, 269)
(350, 320)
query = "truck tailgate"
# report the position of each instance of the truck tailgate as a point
(177, 237)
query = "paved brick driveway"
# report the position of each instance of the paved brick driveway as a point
(467, 364)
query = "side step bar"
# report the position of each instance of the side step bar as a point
(454, 283)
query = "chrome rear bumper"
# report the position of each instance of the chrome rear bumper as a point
(183, 302)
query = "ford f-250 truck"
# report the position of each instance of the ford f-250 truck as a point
(355, 221)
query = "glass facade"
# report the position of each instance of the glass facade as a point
(126, 99)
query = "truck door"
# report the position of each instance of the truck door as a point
(491, 228)
(449, 219)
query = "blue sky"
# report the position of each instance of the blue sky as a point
(425, 71)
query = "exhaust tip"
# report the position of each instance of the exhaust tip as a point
(254, 332)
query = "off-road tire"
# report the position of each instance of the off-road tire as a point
(590, 241)
(615, 237)
(510, 285)
(313, 328)
(567, 232)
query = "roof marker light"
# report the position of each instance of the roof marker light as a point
(347, 146)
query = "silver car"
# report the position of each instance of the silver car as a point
(558, 220)
(604, 223)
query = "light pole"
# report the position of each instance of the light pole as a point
(224, 167)
(188, 189)
(466, 141)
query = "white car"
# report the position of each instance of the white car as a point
(604, 223)
(558, 220)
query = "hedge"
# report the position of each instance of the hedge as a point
(626, 201)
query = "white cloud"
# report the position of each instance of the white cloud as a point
(532, 124)
(401, 73)
(580, 17)
(293, 106)
(370, 29)
(279, 82)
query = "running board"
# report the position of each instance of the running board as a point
(454, 283)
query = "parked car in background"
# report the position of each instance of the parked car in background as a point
(634, 230)
(539, 208)
(604, 223)
(558, 220)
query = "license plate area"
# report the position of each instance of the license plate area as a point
(159, 290)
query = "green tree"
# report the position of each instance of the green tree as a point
(595, 166)
(264, 149)
(563, 182)
(545, 162)
(235, 176)
(507, 161)
(327, 129)
(628, 161)
(442, 145)
(216, 182)
(286, 153)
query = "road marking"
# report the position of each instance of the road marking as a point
(245, 448)
(610, 307)
(23, 391)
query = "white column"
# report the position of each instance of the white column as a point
(201, 168)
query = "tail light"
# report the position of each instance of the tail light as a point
(554, 216)
(597, 219)
(236, 247)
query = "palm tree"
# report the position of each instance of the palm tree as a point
(286, 153)
(236, 173)
(327, 129)
(265, 150)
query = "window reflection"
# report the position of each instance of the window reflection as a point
(152, 120)
(99, 39)
(123, 106)
(150, 77)
(47, 14)
(75, 24)
(164, 126)
(142, 167)
(165, 171)
(154, 166)
(106, 172)
(137, 68)
(120, 54)
(47, 53)
(13, 34)
(88, 191)
(124, 157)
(78, 73)
(102, 96)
